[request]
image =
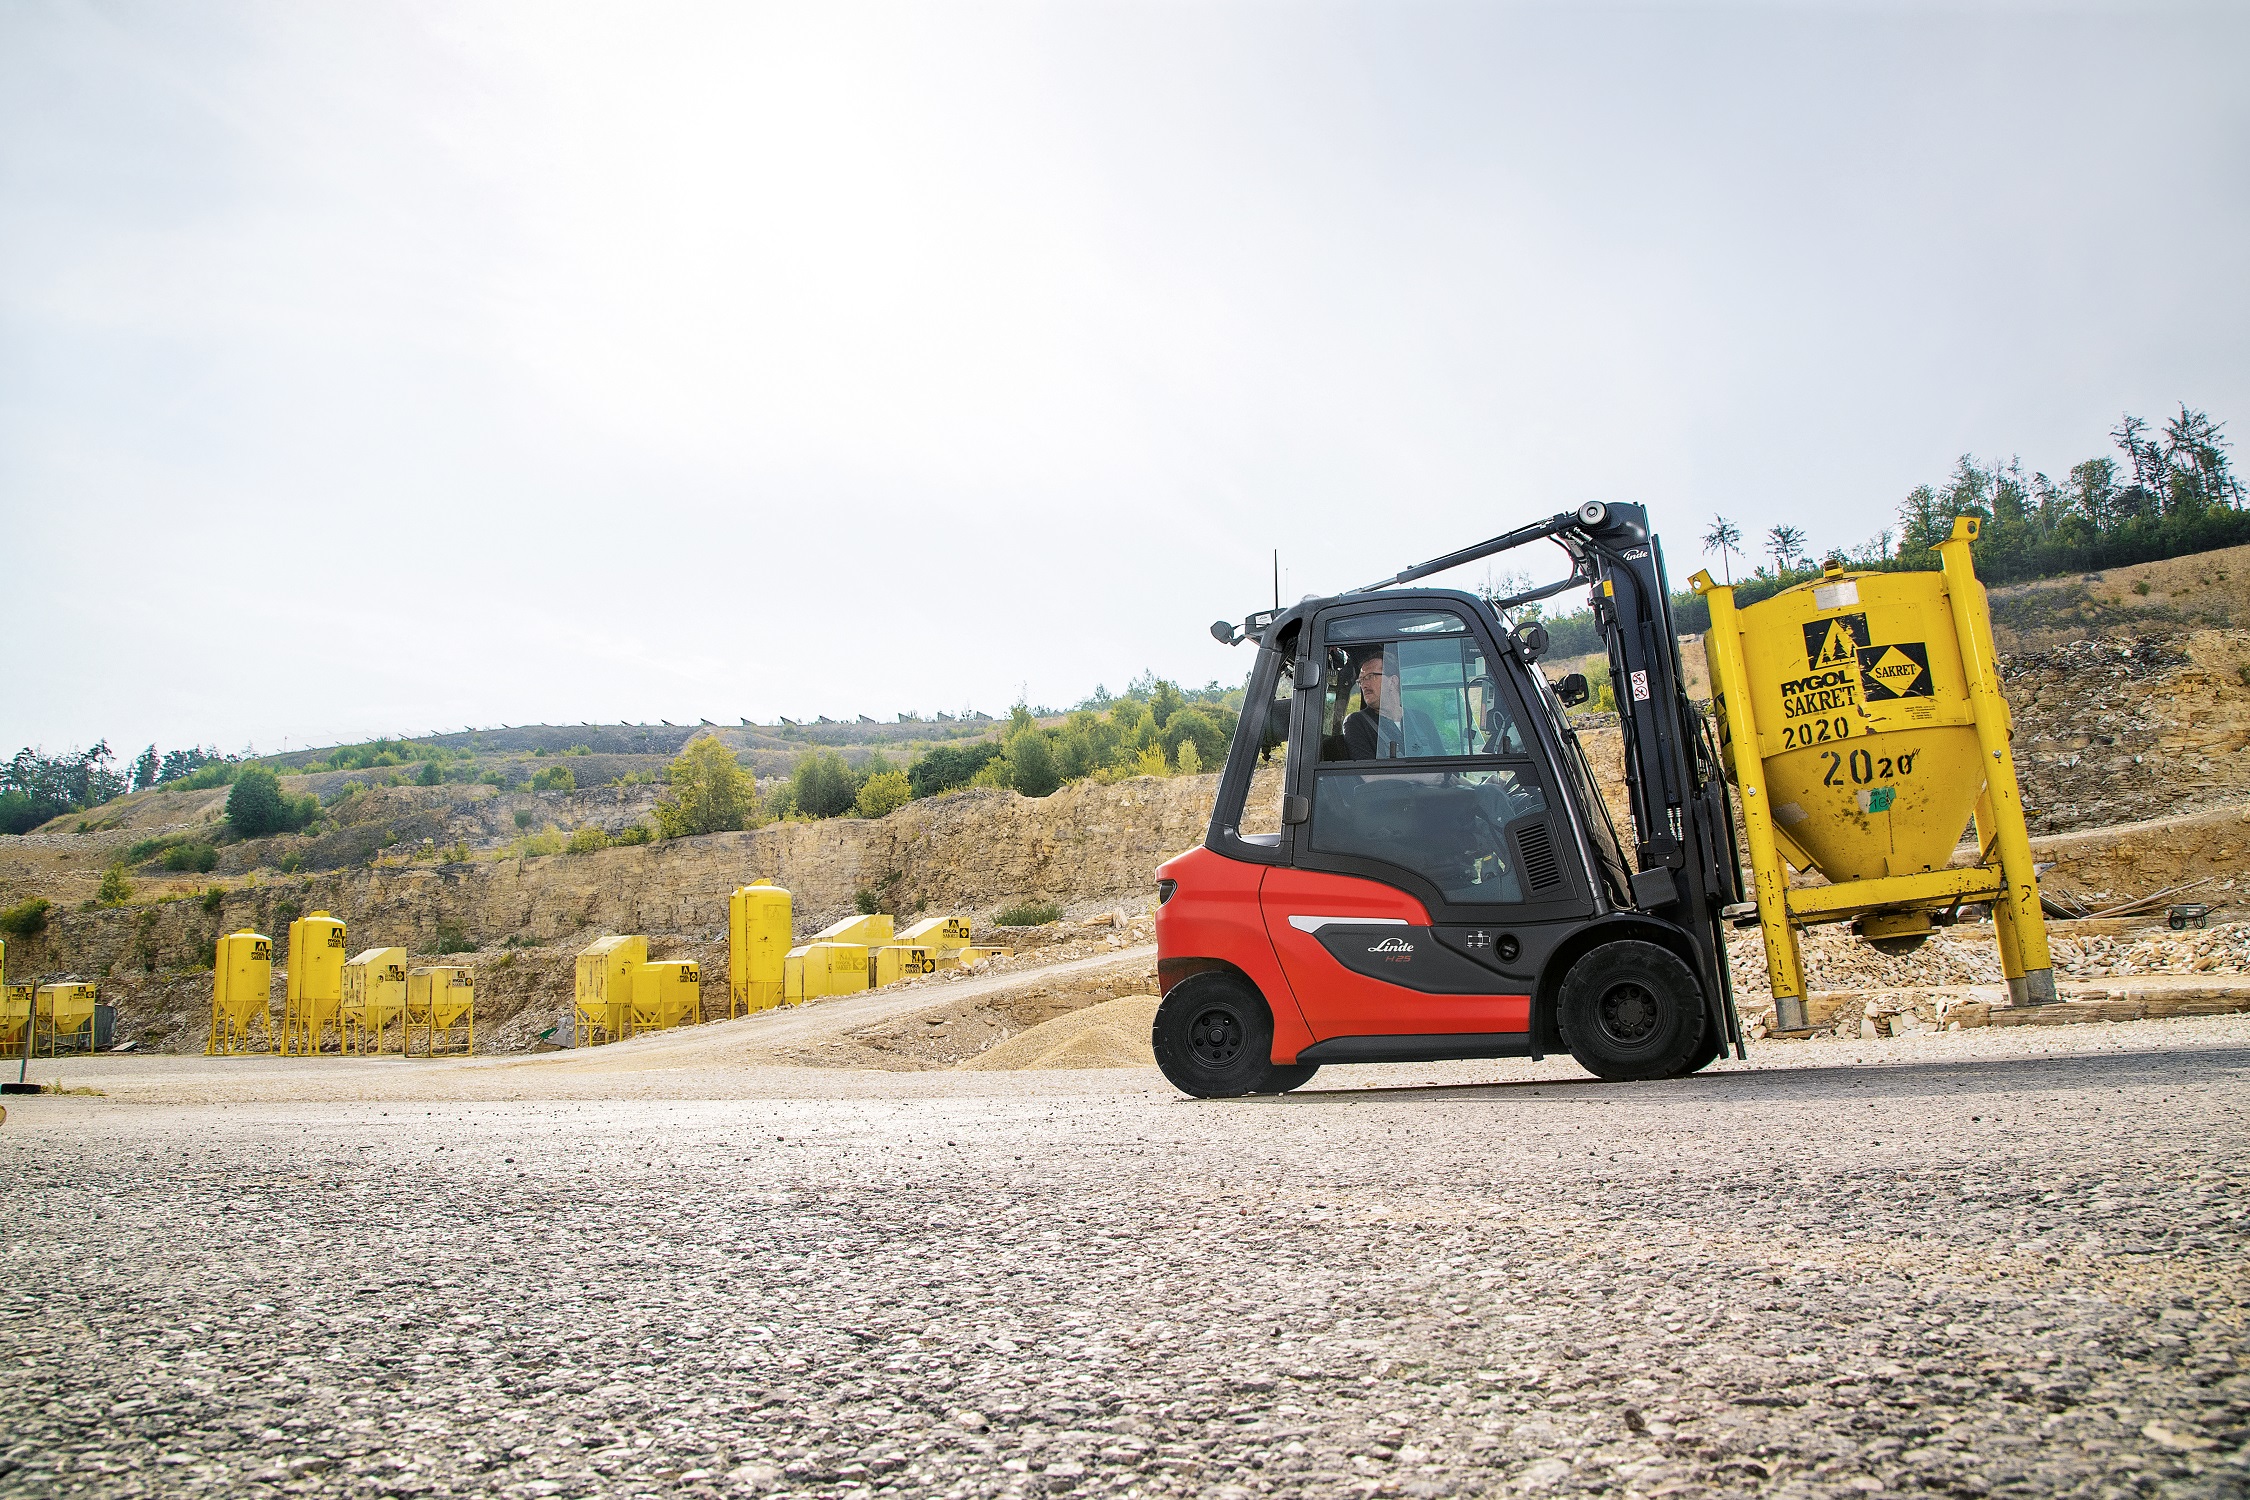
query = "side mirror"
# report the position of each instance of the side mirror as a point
(1572, 690)
(1531, 640)
(1222, 632)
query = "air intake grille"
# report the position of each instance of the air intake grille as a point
(1535, 847)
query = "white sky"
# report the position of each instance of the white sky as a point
(376, 368)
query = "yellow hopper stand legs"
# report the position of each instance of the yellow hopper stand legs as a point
(1860, 717)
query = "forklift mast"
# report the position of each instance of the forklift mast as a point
(1684, 837)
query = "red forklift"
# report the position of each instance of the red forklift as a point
(1441, 877)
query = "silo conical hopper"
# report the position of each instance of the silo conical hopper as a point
(1861, 718)
(374, 1003)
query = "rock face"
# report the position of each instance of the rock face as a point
(2120, 731)
(971, 851)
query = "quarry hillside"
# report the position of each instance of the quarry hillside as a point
(2130, 689)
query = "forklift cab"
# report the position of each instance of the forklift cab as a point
(1418, 876)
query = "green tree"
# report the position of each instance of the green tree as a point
(145, 769)
(429, 775)
(884, 793)
(115, 889)
(706, 791)
(1197, 727)
(1031, 764)
(257, 806)
(1724, 538)
(822, 785)
(564, 779)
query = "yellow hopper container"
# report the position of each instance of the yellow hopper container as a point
(667, 994)
(937, 932)
(1861, 718)
(605, 989)
(818, 969)
(441, 1002)
(868, 932)
(15, 1015)
(241, 993)
(313, 997)
(904, 960)
(758, 942)
(63, 1015)
(374, 1003)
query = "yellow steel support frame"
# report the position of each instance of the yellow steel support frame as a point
(2018, 922)
(1785, 966)
(2019, 925)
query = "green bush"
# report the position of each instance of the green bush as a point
(115, 889)
(216, 774)
(257, 806)
(197, 859)
(636, 833)
(548, 840)
(587, 840)
(526, 816)
(1028, 914)
(430, 775)
(27, 918)
(884, 793)
(947, 767)
(452, 937)
(554, 779)
(214, 898)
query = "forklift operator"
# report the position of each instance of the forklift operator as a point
(1381, 729)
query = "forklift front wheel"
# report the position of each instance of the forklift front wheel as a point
(1214, 1039)
(1632, 1011)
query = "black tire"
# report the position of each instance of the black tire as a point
(1214, 1038)
(1632, 1011)
(1282, 1077)
(1712, 1048)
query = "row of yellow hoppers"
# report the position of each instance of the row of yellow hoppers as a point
(620, 993)
(59, 1017)
(369, 1004)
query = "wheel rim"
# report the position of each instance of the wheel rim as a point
(1215, 1037)
(1629, 1014)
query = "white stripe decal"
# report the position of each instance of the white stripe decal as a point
(1314, 924)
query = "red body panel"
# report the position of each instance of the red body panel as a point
(1215, 914)
(1336, 1001)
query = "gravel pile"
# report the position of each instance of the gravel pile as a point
(1967, 955)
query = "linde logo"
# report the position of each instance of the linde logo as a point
(1392, 945)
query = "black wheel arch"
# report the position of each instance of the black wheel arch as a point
(1546, 1035)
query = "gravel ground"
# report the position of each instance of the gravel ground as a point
(1987, 1262)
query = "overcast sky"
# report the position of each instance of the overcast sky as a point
(386, 367)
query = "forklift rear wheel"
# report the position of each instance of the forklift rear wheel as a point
(1632, 1011)
(1214, 1039)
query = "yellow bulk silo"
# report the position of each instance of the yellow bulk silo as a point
(441, 1003)
(241, 993)
(63, 1018)
(313, 995)
(667, 994)
(374, 1002)
(605, 989)
(758, 942)
(1861, 718)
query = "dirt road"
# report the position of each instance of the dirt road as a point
(1979, 1263)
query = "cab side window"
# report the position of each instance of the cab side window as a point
(1422, 763)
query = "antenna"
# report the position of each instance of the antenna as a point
(1277, 578)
